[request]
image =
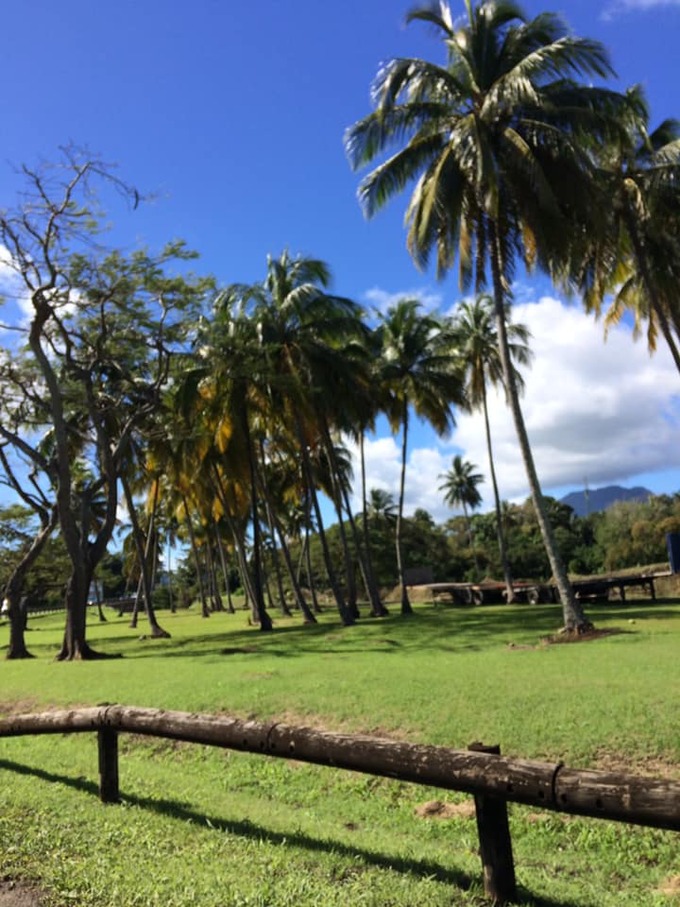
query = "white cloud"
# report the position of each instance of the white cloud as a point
(382, 299)
(595, 411)
(619, 7)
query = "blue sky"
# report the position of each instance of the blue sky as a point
(232, 114)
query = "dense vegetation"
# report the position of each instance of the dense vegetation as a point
(627, 535)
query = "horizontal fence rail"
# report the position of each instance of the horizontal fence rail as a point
(492, 779)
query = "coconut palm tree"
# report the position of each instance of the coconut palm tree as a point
(494, 139)
(419, 373)
(460, 490)
(635, 257)
(302, 330)
(475, 340)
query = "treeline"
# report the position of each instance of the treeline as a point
(626, 535)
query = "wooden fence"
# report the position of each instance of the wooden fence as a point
(482, 771)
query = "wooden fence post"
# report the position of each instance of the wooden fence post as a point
(495, 844)
(107, 741)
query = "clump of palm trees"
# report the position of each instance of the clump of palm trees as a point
(515, 155)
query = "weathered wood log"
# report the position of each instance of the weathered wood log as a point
(66, 721)
(620, 797)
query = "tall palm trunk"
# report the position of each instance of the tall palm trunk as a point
(237, 536)
(263, 617)
(225, 571)
(197, 560)
(215, 596)
(277, 530)
(345, 615)
(337, 498)
(143, 556)
(471, 542)
(378, 609)
(405, 603)
(574, 618)
(502, 547)
(307, 552)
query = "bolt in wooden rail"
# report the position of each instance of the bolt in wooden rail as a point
(492, 779)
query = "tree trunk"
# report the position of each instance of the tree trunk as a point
(15, 585)
(343, 611)
(225, 570)
(17, 625)
(263, 617)
(405, 603)
(468, 525)
(307, 550)
(502, 548)
(300, 600)
(378, 609)
(197, 561)
(143, 555)
(74, 646)
(574, 618)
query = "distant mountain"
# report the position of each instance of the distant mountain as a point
(600, 498)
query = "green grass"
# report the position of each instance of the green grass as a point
(200, 825)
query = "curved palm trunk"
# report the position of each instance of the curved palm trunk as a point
(574, 617)
(293, 575)
(225, 571)
(343, 610)
(143, 556)
(336, 494)
(405, 602)
(307, 552)
(237, 536)
(197, 560)
(271, 526)
(215, 597)
(14, 588)
(502, 548)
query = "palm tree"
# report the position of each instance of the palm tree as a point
(301, 361)
(460, 487)
(475, 340)
(635, 256)
(419, 373)
(381, 505)
(494, 139)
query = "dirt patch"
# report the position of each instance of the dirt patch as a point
(569, 636)
(18, 707)
(435, 809)
(670, 887)
(19, 894)
(651, 766)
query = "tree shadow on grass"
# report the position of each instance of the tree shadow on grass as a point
(446, 629)
(243, 828)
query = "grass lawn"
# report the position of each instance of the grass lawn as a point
(204, 826)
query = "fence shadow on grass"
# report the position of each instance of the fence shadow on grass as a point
(175, 809)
